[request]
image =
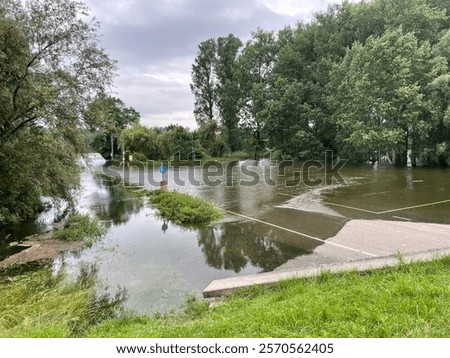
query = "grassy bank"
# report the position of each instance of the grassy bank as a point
(40, 304)
(404, 301)
(183, 208)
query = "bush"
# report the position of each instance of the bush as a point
(183, 208)
(78, 228)
(139, 157)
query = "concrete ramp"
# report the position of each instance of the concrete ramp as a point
(360, 245)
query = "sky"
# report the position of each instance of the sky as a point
(155, 43)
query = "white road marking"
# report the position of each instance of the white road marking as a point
(351, 207)
(381, 193)
(401, 218)
(301, 234)
(414, 207)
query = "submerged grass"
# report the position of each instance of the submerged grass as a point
(183, 208)
(79, 228)
(410, 300)
(40, 304)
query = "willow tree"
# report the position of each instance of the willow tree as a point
(51, 68)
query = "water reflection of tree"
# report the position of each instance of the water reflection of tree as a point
(232, 246)
(121, 204)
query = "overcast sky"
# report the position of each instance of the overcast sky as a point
(155, 43)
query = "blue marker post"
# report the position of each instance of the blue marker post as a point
(164, 182)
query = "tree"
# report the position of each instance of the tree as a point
(379, 94)
(140, 139)
(51, 68)
(435, 147)
(203, 81)
(211, 138)
(63, 70)
(255, 74)
(227, 87)
(111, 116)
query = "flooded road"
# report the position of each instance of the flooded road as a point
(268, 222)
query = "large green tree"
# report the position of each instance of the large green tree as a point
(203, 82)
(379, 95)
(227, 87)
(51, 67)
(255, 76)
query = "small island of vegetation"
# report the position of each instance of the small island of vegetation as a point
(183, 208)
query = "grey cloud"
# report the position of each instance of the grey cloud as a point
(156, 42)
(157, 30)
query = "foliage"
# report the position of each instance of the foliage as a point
(379, 99)
(409, 300)
(202, 85)
(183, 208)
(40, 304)
(51, 68)
(80, 228)
(367, 80)
(227, 88)
(110, 116)
(141, 139)
(210, 138)
(34, 164)
(58, 67)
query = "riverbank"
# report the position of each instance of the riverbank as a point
(40, 248)
(72, 234)
(408, 300)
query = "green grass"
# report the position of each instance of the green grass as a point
(183, 208)
(79, 228)
(404, 301)
(410, 300)
(40, 304)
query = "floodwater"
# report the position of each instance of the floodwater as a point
(270, 217)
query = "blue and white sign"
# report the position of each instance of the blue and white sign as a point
(162, 169)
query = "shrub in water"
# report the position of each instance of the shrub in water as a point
(183, 208)
(78, 228)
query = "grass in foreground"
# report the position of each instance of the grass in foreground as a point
(40, 304)
(183, 208)
(405, 301)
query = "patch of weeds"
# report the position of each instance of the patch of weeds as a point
(182, 208)
(80, 227)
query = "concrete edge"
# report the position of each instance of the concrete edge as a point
(226, 286)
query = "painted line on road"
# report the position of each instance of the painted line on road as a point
(351, 207)
(414, 207)
(381, 193)
(300, 233)
(379, 212)
(402, 218)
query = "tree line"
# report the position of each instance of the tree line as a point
(368, 80)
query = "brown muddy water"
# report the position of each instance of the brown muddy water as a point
(159, 263)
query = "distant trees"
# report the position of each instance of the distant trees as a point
(367, 80)
(109, 116)
(173, 142)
